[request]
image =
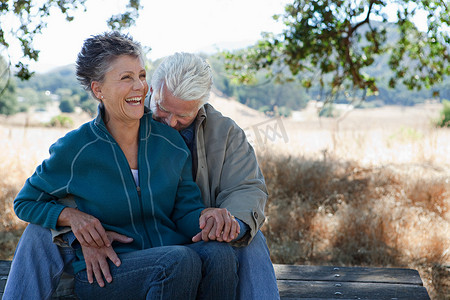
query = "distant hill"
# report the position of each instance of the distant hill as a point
(265, 96)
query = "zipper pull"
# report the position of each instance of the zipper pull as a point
(138, 190)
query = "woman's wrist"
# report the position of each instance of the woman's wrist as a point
(65, 216)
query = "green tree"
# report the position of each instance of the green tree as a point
(31, 97)
(8, 98)
(68, 100)
(331, 43)
(67, 105)
(32, 18)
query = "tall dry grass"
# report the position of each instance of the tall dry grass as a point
(372, 189)
(363, 194)
(22, 148)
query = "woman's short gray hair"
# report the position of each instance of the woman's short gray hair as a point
(97, 54)
(186, 75)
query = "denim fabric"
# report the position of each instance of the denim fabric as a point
(168, 272)
(256, 274)
(219, 270)
(37, 266)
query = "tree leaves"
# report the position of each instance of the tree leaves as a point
(333, 42)
(32, 17)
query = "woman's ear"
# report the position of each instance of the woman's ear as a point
(97, 89)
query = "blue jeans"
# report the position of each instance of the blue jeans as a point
(196, 271)
(256, 274)
(38, 265)
(219, 270)
(170, 272)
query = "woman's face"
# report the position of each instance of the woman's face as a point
(123, 89)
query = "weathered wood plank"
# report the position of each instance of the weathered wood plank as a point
(5, 265)
(328, 282)
(348, 274)
(4, 271)
(294, 289)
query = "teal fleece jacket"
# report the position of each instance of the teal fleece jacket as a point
(88, 164)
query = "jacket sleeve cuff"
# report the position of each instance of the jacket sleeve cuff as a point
(243, 230)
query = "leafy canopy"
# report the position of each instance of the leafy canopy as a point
(331, 42)
(32, 18)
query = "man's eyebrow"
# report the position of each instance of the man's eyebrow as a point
(165, 110)
(161, 106)
(185, 115)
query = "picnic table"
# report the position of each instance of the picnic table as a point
(328, 282)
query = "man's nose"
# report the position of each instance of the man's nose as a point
(172, 121)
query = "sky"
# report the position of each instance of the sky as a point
(167, 26)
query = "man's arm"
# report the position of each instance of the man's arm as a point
(228, 173)
(242, 186)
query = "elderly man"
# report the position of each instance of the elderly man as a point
(224, 167)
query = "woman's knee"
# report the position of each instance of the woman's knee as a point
(220, 250)
(217, 254)
(186, 256)
(183, 262)
(36, 234)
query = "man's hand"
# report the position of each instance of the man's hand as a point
(217, 224)
(96, 259)
(87, 229)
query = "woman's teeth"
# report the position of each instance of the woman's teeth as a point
(134, 101)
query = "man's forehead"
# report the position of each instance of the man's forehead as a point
(178, 106)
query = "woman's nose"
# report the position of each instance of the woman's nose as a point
(139, 84)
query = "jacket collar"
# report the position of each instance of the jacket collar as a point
(100, 123)
(201, 116)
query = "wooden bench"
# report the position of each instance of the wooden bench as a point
(328, 282)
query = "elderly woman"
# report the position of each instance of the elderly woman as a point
(131, 175)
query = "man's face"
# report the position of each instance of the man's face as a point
(173, 111)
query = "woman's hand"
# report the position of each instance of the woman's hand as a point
(87, 229)
(97, 264)
(217, 224)
(96, 259)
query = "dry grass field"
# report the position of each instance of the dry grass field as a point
(369, 189)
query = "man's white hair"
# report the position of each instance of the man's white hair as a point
(186, 75)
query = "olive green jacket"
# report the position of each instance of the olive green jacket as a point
(226, 170)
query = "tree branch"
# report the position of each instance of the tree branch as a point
(366, 20)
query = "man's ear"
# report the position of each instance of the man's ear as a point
(96, 89)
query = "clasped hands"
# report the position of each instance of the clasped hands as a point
(215, 224)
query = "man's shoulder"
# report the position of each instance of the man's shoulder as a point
(216, 119)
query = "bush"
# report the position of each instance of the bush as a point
(444, 120)
(67, 105)
(61, 121)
